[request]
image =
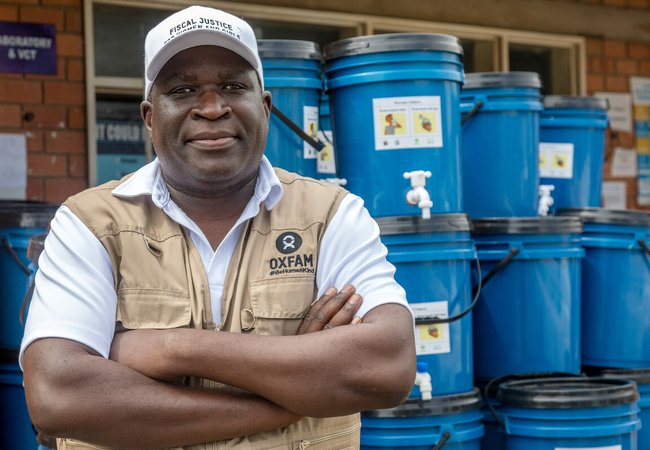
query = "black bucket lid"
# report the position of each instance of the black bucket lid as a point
(564, 393)
(416, 224)
(288, 48)
(392, 42)
(572, 101)
(608, 216)
(501, 79)
(25, 214)
(527, 225)
(437, 406)
(641, 376)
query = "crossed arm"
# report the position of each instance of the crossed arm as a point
(326, 370)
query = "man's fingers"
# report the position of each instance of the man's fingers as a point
(346, 314)
(327, 307)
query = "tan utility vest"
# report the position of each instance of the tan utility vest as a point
(161, 283)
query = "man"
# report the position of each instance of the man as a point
(196, 274)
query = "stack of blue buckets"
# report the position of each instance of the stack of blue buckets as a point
(513, 303)
(20, 223)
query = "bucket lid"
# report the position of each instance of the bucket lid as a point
(563, 393)
(501, 79)
(288, 48)
(437, 406)
(526, 225)
(416, 224)
(608, 216)
(573, 101)
(392, 42)
(641, 376)
(25, 214)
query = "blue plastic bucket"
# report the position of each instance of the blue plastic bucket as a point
(500, 143)
(16, 431)
(292, 73)
(572, 149)
(395, 109)
(569, 413)
(527, 318)
(642, 379)
(19, 221)
(615, 287)
(432, 259)
(453, 421)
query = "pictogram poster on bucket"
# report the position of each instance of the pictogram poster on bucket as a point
(407, 122)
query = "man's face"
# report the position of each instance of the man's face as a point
(208, 120)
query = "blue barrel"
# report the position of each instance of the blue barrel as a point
(292, 73)
(395, 110)
(569, 413)
(642, 379)
(16, 431)
(527, 318)
(572, 149)
(615, 287)
(19, 221)
(432, 258)
(452, 421)
(500, 141)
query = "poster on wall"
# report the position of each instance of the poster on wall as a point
(28, 48)
(641, 115)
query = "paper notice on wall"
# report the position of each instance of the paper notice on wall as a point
(433, 338)
(13, 170)
(614, 194)
(407, 122)
(624, 163)
(640, 87)
(619, 112)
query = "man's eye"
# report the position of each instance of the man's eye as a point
(181, 90)
(234, 86)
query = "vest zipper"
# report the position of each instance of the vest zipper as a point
(305, 443)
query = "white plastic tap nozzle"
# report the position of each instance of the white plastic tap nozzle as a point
(545, 199)
(337, 181)
(423, 380)
(418, 195)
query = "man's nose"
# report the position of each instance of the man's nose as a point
(210, 105)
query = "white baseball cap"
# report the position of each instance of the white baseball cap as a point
(194, 26)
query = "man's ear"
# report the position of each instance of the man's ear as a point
(146, 113)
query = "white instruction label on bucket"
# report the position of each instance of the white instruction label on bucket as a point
(555, 160)
(407, 122)
(607, 447)
(310, 121)
(431, 339)
(326, 157)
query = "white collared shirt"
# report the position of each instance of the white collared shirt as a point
(75, 296)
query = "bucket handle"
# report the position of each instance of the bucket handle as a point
(644, 247)
(443, 440)
(25, 302)
(318, 146)
(478, 105)
(476, 290)
(15, 257)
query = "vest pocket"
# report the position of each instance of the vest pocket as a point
(153, 308)
(278, 305)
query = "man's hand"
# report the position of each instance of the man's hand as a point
(331, 310)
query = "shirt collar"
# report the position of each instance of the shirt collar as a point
(148, 181)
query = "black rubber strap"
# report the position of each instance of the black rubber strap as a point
(478, 105)
(443, 439)
(15, 257)
(644, 246)
(296, 129)
(476, 291)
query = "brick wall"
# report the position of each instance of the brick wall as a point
(49, 109)
(610, 64)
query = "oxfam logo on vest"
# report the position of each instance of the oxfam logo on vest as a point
(288, 242)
